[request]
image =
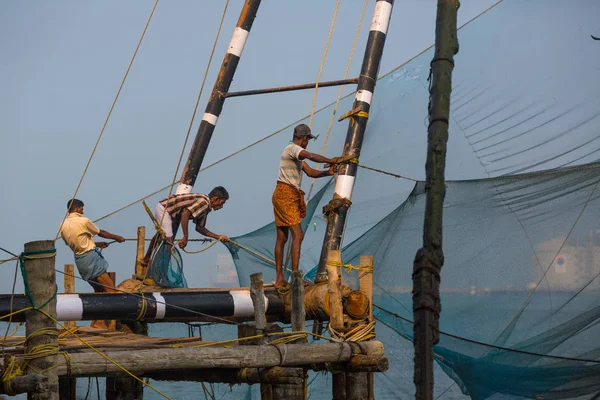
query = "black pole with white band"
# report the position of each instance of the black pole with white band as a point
(216, 100)
(206, 306)
(359, 116)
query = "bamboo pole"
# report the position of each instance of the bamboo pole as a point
(430, 258)
(40, 281)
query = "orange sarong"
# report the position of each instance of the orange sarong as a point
(288, 205)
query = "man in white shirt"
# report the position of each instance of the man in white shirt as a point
(288, 199)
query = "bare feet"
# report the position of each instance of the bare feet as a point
(280, 282)
(99, 324)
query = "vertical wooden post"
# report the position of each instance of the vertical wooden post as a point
(140, 271)
(365, 279)
(112, 324)
(430, 258)
(356, 386)
(67, 387)
(257, 295)
(123, 388)
(40, 283)
(338, 383)
(70, 289)
(336, 311)
(297, 299)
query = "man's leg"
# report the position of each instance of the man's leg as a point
(297, 238)
(103, 284)
(282, 237)
(166, 223)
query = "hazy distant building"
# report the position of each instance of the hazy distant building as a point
(572, 266)
(224, 274)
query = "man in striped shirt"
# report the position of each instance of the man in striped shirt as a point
(186, 207)
(288, 199)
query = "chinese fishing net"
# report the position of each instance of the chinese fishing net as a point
(520, 291)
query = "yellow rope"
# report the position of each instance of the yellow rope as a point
(325, 51)
(112, 107)
(353, 114)
(12, 370)
(349, 267)
(15, 331)
(144, 305)
(8, 259)
(157, 226)
(359, 333)
(16, 312)
(187, 136)
(201, 250)
(105, 356)
(294, 335)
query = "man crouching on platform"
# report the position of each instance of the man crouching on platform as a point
(288, 199)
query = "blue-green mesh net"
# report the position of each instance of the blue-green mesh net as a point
(519, 289)
(166, 266)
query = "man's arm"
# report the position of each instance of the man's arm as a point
(316, 157)
(108, 235)
(185, 220)
(315, 173)
(203, 231)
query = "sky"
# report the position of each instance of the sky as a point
(62, 64)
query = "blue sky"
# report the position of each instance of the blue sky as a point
(63, 61)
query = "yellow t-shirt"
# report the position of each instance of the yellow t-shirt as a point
(78, 233)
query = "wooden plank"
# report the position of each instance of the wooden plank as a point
(141, 361)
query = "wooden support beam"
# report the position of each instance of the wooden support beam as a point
(32, 383)
(336, 311)
(40, 279)
(140, 271)
(274, 375)
(148, 361)
(358, 363)
(67, 387)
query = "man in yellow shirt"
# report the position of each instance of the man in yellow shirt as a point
(78, 233)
